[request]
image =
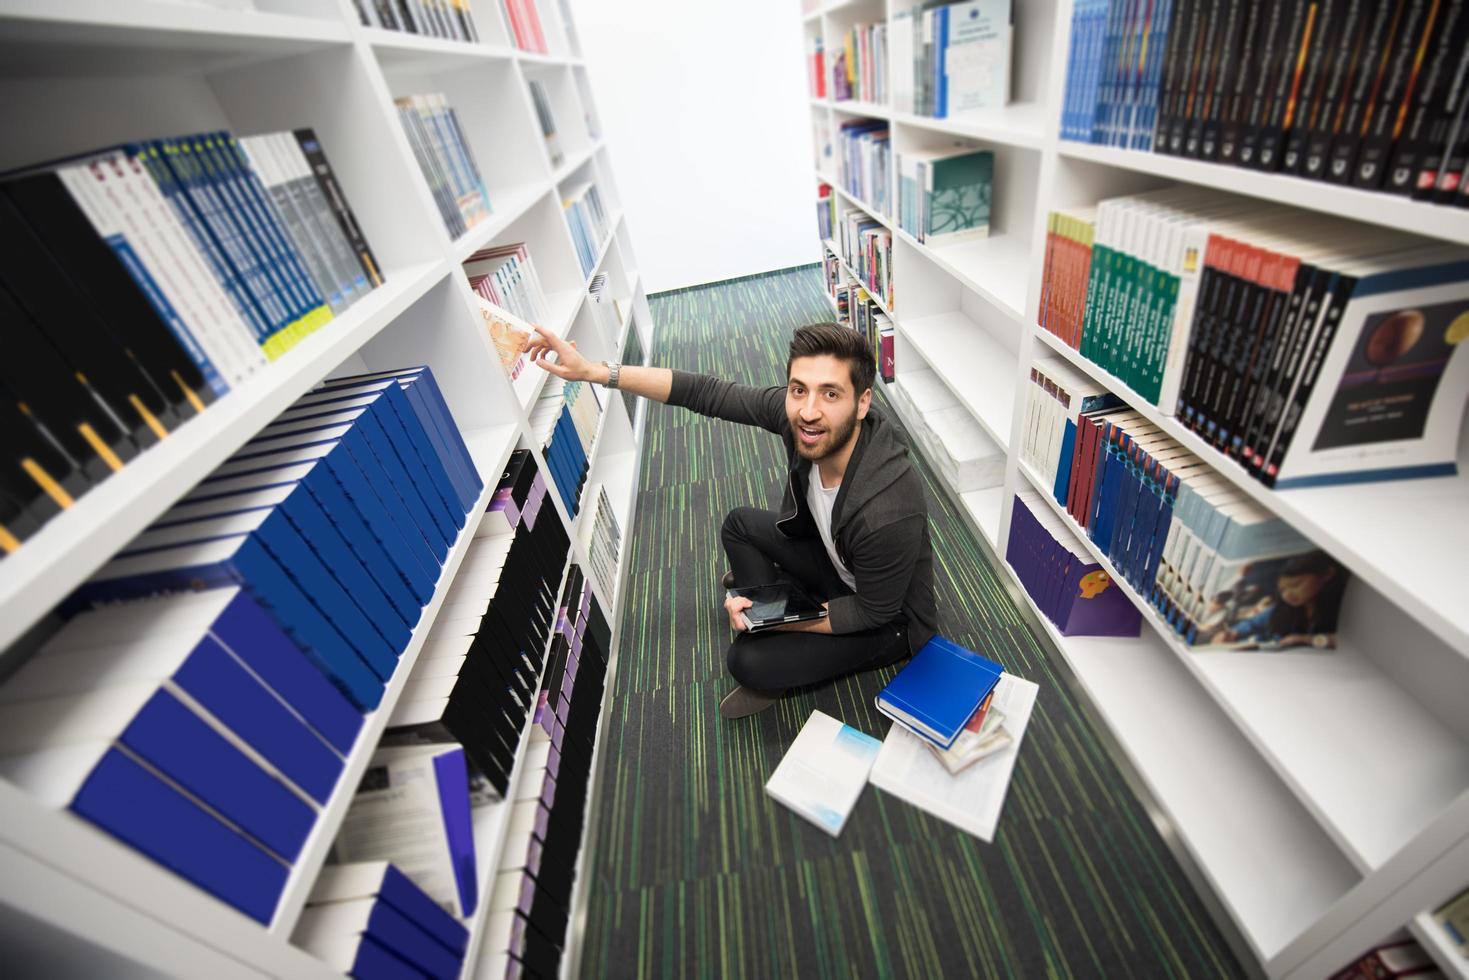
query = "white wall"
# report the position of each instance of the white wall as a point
(701, 102)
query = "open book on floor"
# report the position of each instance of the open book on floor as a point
(970, 799)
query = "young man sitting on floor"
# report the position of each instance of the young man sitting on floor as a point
(853, 523)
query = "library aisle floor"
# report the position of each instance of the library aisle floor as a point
(697, 873)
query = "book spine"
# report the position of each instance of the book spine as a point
(1356, 113)
(1392, 99)
(1324, 122)
(1412, 137)
(326, 179)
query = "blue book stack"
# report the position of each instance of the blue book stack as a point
(570, 414)
(938, 691)
(336, 520)
(369, 920)
(189, 726)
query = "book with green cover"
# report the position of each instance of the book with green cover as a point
(958, 190)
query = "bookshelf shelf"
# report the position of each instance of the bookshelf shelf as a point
(995, 268)
(402, 51)
(91, 72)
(1438, 944)
(984, 509)
(1263, 855)
(489, 449)
(1276, 726)
(75, 544)
(1303, 713)
(979, 371)
(1020, 124)
(133, 35)
(1388, 210)
(1379, 541)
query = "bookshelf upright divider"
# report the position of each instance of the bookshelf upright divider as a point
(103, 72)
(1340, 832)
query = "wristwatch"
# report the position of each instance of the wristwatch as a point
(612, 369)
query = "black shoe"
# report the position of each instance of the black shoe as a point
(727, 581)
(745, 701)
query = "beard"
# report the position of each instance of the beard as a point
(835, 439)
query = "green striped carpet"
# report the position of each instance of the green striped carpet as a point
(698, 874)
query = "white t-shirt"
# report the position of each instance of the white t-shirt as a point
(821, 501)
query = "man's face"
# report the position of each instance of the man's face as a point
(821, 405)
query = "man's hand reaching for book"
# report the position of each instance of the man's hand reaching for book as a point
(569, 364)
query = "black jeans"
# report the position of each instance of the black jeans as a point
(759, 554)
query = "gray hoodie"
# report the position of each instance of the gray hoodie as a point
(879, 523)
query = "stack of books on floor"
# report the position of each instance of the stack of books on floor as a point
(603, 538)
(1369, 97)
(141, 283)
(605, 310)
(952, 708)
(442, 150)
(530, 903)
(867, 248)
(871, 322)
(1068, 586)
(816, 68)
(525, 25)
(476, 679)
(565, 421)
(864, 160)
(859, 71)
(369, 919)
(951, 59)
(1308, 349)
(448, 19)
(944, 196)
(826, 211)
(588, 224)
(206, 720)
(964, 454)
(412, 808)
(542, 104)
(505, 276)
(1219, 569)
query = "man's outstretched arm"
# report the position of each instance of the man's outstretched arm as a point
(570, 365)
(700, 393)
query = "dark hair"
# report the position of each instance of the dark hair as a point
(840, 342)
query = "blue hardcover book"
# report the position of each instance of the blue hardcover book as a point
(359, 956)
(387, 926)
(238, 561)
(188, 662)
(356, 563)
(383, 880)
(359, 560)
(394, 530)
(128, 800)
(411, 442)
(157, 726)
(227, 616)
(275, 530)
(937, 692)
(419, 490)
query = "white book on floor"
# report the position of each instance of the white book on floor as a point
(970, 800)
(823, 772)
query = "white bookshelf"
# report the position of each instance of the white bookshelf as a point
(1318, 800)
(90, 73)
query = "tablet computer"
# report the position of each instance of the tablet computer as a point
(775, 604)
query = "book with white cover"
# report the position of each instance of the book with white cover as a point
(972, 799)
(824, 770)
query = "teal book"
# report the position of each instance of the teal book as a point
(958, 192)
